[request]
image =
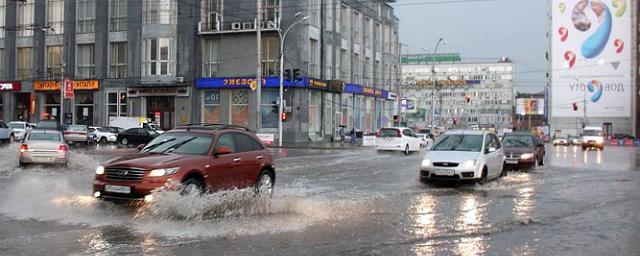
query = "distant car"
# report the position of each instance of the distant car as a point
(523, 149)
(425, 139)
(20, 130)
(77, 134)
(574, 140)
(6, 133)
(44, 147)
(153, 127)
(398, 139)
(49, 125)
(592, 137)
(114, 129)
(102, 135)
(468, 155)
(136, 136)
(620, 136)
(561, 140)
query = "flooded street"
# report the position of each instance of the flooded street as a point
(335, 202)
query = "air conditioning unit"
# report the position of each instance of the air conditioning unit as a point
(180, 79)
(247, 25)
(236, 25)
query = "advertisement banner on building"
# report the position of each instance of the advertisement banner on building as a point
(46, 86)
(530, 106)
(10, 86)
(591, 58)
(68, 89)
(408, 105)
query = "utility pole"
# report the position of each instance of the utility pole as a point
(259, 67)
(584, 102)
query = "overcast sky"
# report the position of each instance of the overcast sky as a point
(485, 30)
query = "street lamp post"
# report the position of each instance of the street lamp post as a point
(283, 36)
(435, 84)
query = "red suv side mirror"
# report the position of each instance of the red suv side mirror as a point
(223, 150)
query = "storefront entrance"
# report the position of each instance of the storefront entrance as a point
(22, 110)
(161, 110)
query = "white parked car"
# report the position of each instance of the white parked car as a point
(20, 129)
(5, 133)
(102, 135)
(425, 140)
(398, 139)
(464, 156)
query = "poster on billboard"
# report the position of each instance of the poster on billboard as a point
(530, 106)
(408, 105)
(591, 58)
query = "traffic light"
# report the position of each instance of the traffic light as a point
(284, 116)
(575, 106)
(296, 74)
(287, 74)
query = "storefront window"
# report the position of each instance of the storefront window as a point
(315, 111)
(269, 109)
(369, 114)
(379, 104)
(211, 111)
(328, 113)
(84, 108)
(240, 107)
(116, 104)
(1, 105)
(358, 108)
(347, 110)
(51, 106)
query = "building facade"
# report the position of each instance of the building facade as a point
(178, 62)
(467, 95)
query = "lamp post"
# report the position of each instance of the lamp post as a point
(283, 36)
(435, 83)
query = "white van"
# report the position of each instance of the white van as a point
(592, 137)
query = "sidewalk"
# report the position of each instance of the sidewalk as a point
(321, 145)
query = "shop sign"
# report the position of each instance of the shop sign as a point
(68, 89)
(211, 97)
(158, 91)
(356, 89)
(267, 82)
(392, 96)
(335, 86)
(86, 85)
(266, 138)
(314, 83)
(46, 86)
(10, 86)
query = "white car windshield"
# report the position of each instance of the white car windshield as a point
(16, 126)
(592, 133)
(459, 142)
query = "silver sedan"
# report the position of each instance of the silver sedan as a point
(44, 147)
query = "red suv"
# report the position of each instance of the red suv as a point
(200, 157)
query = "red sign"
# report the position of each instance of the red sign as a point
(10, 86)
(68, 89)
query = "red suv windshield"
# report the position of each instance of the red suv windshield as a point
(180, 143)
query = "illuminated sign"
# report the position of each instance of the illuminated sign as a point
(10, 86)
(78, 85)
(46, 86)
(86, 85)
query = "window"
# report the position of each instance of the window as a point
(245, 143)
(118, 15)
(367, 33)
(86, 11)
(357, 23)
(344, 18)
(314, 12)
(270, 10)
(3, 9)
(84, 107)
(1, 64)
(86, 61)
(54, 62)
(213, 18)
(269, 108)
(160, 12)
(159, 57)
(211, 111)
(55, 16)
(25, 18)
(329, 15)
(270, 56)
(314, 58)
(226, 140)
(24, 63)
(240, 107)
(116, 104)
(118, 60)
(210, 58)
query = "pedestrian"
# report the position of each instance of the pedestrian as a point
(342, 134)
(353, 135)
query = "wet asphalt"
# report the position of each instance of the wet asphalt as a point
(335, 202)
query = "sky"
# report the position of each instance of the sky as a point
(481, 31)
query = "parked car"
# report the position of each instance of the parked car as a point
(398, 138)
(592, 138)
(523, 149)
(77, 134)
(561, 140)
(425, 139)
(49, 125)
(20, 130)
(136, 136)
(465, 155)
(574, 140)
(102, 135)
(114, 129)
(6, 133)
(620, 136)
(44, 147)
(202, 158)
(153, 126)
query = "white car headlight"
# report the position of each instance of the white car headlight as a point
(468, 164)
(100, 170)
(163, 172)
(526, 156)
(426, 163)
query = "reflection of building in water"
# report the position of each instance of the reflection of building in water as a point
(470, 219)
(524, 201)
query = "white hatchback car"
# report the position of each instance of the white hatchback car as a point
(464, 156)
(398, 139)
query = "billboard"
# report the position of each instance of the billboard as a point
(591, 58)
(529, 106)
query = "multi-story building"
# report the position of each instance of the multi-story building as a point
(467, 95)
(177, 62)
(347, 54)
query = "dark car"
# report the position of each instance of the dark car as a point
(191, 159)
(136, 136)
(49, 125)
(620, 136)
(523, 149)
